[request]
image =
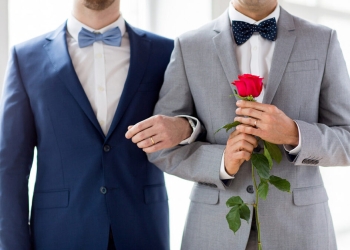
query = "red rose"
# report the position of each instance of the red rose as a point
(249, 85)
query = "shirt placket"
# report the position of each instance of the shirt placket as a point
(100, 86)
(254, 63)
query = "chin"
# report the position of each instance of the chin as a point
(98, 4)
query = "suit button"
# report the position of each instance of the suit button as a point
(103, 190)
(250, 189)
(106, 148)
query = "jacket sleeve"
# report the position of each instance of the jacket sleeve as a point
(17, 142)
(326, 143)
(198, 161)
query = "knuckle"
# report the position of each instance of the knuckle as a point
(158, 118)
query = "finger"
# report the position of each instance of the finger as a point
(254, 105)
(148, 142)
(155, 147)
(129, 127)
(138, 127)
(234, 134)
(242, 136)
(241, 145)
(250, 130)
(144, 135)
(247, 121)
(251, 112)
(238, 156)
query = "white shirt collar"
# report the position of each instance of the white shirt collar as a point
(238, 16)
(74, 26)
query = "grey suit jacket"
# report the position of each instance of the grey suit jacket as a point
(308, 81)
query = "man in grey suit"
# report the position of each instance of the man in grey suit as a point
(304, 108)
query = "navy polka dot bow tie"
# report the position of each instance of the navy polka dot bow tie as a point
(242, 31)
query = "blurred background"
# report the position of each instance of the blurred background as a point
(22, 19)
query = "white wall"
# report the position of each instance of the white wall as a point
(3, 39)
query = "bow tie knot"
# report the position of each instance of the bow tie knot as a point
(242, 31)
(111, 37)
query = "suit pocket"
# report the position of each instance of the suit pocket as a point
(309, 196)
(204, 194)
(302, 66)
(51, 199)
(155, 193)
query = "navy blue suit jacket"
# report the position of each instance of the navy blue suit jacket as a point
(86, 182)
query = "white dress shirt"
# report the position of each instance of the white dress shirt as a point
(255, 57)
(102, 71)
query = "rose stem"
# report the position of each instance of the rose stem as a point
(256, 206)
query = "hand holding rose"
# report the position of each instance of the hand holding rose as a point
(239, 148)
(272, 124)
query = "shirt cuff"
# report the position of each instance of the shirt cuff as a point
(196, 130)
(294, 150)
(223, 174)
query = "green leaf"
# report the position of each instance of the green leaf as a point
(244, 212)
(261, 164)
(268, 156)
(228, 126)
(274, 151)
(281, 184)
(263, 189)
(233, 201)
(233, 219)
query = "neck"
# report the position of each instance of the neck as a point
(96, 19)
(256, 10)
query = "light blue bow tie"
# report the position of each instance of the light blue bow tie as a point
(111, 37)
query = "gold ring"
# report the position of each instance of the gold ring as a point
(255, 123)
(152, 140)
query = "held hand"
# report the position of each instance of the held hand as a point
(239, 148)
(267, 122)
(159, 132)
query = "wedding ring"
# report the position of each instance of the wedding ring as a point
(152, 140)
(255, 123)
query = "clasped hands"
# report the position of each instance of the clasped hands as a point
(257, 120)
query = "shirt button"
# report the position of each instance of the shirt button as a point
(250, 189)
(101, 89)
(103, 190)
(98, 55)
(106, 148)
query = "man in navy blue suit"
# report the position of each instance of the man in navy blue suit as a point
(72, 94)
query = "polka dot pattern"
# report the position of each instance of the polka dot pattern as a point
(242, 31)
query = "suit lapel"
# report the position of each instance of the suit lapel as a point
(140, 50)
(226, 48)
(283, 49)
(58, 52)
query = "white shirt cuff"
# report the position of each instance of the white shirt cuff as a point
(196, 131)
(294, 150)
(223, 174)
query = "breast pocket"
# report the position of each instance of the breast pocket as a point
(299, 88)
(302, 66)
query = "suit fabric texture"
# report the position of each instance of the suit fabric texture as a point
(87, 183)
(309, 82)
